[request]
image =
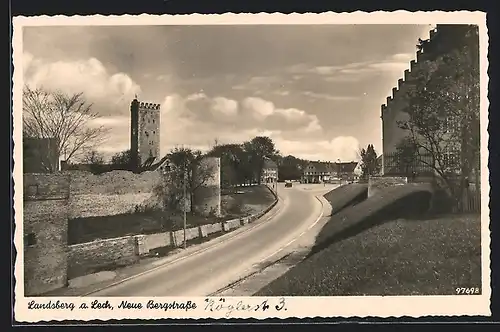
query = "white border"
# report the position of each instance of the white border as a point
(300, 307)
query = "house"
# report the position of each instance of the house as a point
(269, 172)
(346, 170)
(318, 172)
(326, 171)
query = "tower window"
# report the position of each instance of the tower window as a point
(146, 133)
(153, 120)
(154, 132)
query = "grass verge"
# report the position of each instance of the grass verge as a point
(360, 251)
(431, 256)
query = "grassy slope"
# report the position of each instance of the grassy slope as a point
(401, 257)
(358, 252)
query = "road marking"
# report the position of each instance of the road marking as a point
(256, 225)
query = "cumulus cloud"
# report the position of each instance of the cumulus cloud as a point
(109, 92)
(344, 148)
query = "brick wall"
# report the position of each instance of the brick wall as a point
(376, 184)
(45, 223)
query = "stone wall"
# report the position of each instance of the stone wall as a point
(86, 258)
(208, 195)
(45, 228)
(111, 193)
(376, 184)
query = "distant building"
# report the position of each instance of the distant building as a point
(326, 171)
(144, 133)
(269, 172)
(40, 155)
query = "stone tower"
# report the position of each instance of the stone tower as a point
(144, 133)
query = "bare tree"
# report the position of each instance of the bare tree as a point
(93, 157)
(65, 118)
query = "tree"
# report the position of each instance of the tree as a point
(122, 158)
(65, 118)
(443, 112)
(290, 168)
(258, 149)
(406, 154)
(187, 171)
(369, 162)
(234, 165)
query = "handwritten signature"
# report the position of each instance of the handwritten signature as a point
(230, 307)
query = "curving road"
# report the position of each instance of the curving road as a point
(202, 273)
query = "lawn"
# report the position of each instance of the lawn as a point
(402, 257)
(346, 195)
(244, 201)
(388, 245)
(392, 203)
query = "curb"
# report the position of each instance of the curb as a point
(281, 258)
(250, 219)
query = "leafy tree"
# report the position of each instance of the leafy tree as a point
(122, 158)
(443, 112)
(187, 171)
(234, 163)
(369, 163)
(258, 149)
(63, 117)
(290, 168)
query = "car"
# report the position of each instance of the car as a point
(288, 184)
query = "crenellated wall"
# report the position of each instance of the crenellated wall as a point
(145, 132)
(392, 110)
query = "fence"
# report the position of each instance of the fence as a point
(396, 165)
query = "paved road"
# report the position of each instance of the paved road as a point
(203, 273)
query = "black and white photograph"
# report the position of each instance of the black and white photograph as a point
(208, 160)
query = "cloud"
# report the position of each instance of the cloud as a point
(109, 92)
(344, 148)
(225, 106)
(327, 96)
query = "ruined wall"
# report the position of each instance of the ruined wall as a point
(90, 257)
(45, 227)
(208, 196)
(111, 193)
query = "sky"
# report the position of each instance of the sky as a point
(316, 90)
